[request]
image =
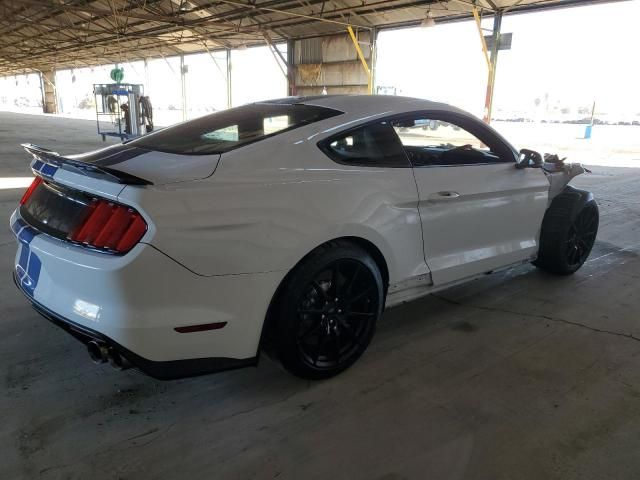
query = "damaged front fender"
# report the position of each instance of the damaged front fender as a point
(559, 175)
(556, 170)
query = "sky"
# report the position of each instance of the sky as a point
(574, 56)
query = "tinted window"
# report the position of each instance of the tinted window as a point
(223, 131)
(372, 145)
(433, 142)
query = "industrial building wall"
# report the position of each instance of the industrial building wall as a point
(330, 64)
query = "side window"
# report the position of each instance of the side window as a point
(372, 145)
(226, 134)
(432, 142)
(275, 124)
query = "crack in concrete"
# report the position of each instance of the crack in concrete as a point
(538, 316)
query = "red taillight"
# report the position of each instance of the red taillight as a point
(36, 181)
(109, 226)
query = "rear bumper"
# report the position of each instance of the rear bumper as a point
(143, 304)
(161, 370)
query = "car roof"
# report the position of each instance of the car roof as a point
(359, 105)
(358, 109)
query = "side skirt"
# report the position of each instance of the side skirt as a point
(422, 285)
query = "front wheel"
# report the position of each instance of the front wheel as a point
(328, 310)
(568, 233)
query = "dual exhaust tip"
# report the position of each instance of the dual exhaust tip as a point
(102, 353)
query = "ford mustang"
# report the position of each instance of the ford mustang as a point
(290, 223)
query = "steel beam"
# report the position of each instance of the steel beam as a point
(229, 101)
(363, 60)
(493, 63)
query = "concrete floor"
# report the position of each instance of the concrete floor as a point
(520, 375)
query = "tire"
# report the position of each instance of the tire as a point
(318, 336)
(569, 230)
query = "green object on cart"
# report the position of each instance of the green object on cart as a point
(117, 74)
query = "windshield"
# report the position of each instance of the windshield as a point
(229, 129)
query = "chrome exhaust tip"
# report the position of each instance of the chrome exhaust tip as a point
(117, 361)
(97, 351)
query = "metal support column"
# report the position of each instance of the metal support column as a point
(373, 49)
(183, 87)
(493, 63)
(291, 69)
(147, 81)
(42, 96)
(49, 93)
(229, 78)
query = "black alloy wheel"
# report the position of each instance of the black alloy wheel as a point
(335, 313)
(581, 237)
(569, 231)
(329, 311)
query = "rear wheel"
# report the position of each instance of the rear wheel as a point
(328, 310)
(567, 235)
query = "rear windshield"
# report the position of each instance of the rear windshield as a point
(229, 129)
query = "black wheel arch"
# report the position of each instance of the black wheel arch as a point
(581, 198)
(270, 322)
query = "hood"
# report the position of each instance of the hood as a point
(159, 168)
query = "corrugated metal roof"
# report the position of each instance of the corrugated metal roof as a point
(45, 34)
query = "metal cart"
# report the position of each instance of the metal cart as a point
(117, 110)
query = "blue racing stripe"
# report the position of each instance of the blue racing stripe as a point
(48, 170)
(24, 258)
(23, 231)
(37, 165)
(29, 265)
(30, 280)
(44, 169)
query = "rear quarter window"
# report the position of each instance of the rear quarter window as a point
(375, 145)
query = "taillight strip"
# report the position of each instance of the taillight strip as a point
(36, 181)
(134, 233)
(110, 226)
(98, 223)
(98, 214)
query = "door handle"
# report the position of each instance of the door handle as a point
(443, 196)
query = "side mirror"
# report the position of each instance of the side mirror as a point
(529, 159)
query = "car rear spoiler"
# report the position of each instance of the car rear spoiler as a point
(54, 159)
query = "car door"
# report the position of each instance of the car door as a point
(379, 189)
(478, 211)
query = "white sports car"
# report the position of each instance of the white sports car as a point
(292, 222)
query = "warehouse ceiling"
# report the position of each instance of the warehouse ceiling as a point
(45, 34)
